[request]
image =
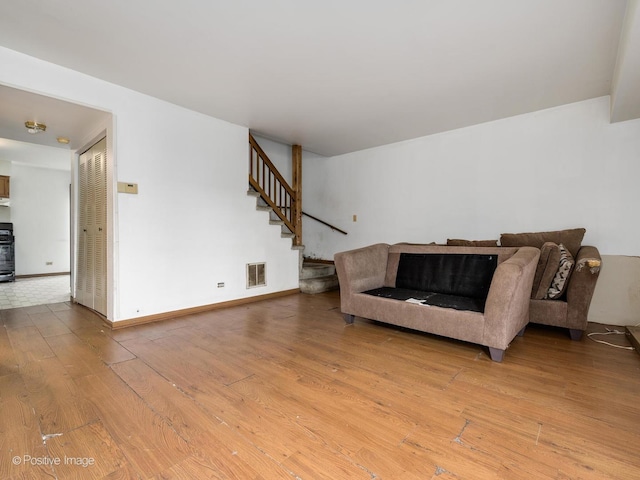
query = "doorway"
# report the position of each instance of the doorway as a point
(41, 169)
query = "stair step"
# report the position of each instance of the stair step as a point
(314, 270)
(319, 284)
(273, 218)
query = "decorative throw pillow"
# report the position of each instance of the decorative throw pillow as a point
(571, 239)
(546, 270)
(561, 278)
(456, 242)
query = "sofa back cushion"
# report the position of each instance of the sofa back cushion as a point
(393, 258)
(570, 238)
(461, 274)
(547, 267)
(459, 242)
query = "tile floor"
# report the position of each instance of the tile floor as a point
(25, 292)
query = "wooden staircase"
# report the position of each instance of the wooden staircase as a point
(318, 277)
(315, 277)
(283, 203)
(274, 219)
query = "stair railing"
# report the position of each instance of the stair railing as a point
(272, 187)
(332, 227)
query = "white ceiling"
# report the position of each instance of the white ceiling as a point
(63, 119)
(342, 75)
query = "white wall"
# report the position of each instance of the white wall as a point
(560, 168)
(616, 300)
(192, 224)
(41, 218)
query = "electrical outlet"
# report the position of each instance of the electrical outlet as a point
(355, 218)
(220, 284)
(49, 263)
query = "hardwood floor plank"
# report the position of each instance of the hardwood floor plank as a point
(8, 359)
(339, 421)
(20, 437)
(223, 453)
(58, 403)
(441, 456)
(251, 421)
(77, 357)
(59, 307)
(167, 400)
(108, 349)
(311, 463)
(175, 365)
(163, 329)
(85, 453)
(48, 324)
(146, 440)
(15, 318)
(28, 345)
(35, 309)
(77, 317)
(284, 389)
(192, 467)
(225, 370)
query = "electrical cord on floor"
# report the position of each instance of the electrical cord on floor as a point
(610, 332)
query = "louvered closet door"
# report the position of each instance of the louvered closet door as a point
(83, 202)
(91, 278)
(99, 171)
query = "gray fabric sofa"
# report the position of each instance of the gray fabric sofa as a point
(382, 282)
(571, 309)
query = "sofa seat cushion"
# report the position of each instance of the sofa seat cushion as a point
(553, 313)
(456, 302)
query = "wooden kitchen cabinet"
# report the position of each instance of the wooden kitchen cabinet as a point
(4, 186)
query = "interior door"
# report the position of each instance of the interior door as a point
(91, 277)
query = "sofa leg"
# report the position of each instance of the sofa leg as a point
(521, 332)
(575, 334)
(496, 354)
(348, 318)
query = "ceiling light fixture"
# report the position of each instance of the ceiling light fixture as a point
(64, 140)
(34, 127)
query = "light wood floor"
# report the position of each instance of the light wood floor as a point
(283, 389)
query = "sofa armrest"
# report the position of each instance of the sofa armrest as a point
(360, 270)
(507, 309)
(582, 284)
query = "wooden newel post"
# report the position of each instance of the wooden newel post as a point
(296, 158)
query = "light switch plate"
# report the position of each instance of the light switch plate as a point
(124, 187)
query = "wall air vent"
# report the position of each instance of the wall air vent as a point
(256, 275)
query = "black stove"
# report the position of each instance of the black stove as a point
(7, 253)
